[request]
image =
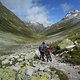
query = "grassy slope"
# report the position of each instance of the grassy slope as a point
(36, 28)
(71, 28)
(9, 22)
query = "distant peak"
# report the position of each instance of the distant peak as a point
(71, 14)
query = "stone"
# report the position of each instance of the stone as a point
(55, 78)
(23, 54)
(26, 78)
(29, 56)
(11, 62)
(20, 59)
(16, 57)
(6, 61)
(78, 72)
(71, 46)
(29, 71)
(15, 68)
(12, 59)
(43, 67)
(66, 43)
(47, 70)
(37, 53)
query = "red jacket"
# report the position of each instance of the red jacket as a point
(50, 48)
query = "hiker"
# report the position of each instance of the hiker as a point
(47, 53)
(42, 49)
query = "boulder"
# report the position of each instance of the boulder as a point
(43, 67)
(11, 62)
(15, 68)
(66, 43)
(6, 61)
(29, 71)
(20, 59)
(16, 56)
(37, 53)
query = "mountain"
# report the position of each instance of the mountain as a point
(10, 23)
(72, 14)
(69, 26)
(35, 27)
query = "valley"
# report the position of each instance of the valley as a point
(19, 43)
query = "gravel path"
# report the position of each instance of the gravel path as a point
(70, 70)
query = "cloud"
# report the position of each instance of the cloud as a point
(32, 10)
(65, 7)
(38, 14)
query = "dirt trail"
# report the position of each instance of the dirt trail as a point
(70, 70)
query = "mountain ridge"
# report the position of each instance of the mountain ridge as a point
(9, 22)
(66, 26)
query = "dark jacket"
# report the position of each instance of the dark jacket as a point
(42, 48)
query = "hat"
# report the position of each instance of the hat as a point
(43, 42)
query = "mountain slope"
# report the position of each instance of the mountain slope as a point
(36, 27)
(9, 22)
(69, 25)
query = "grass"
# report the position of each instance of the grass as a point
(61, 75)
(73, 57)
(2, 53)
(10, 23)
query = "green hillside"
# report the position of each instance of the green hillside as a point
(71, 28)
(36, 27)
(10, 23)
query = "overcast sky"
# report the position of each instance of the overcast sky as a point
(46, 12)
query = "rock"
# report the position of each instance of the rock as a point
(66, 43)
(6, 61)
(47, 70)
(15, 68)
(37, 53)
(16, 57)
(78, 72)
(11, 62)
(20, 59)
(3, 67)
(36, 63)
(29, 71)
(27, 62)
(23, 54)
(26, 78)
(71, 46)
(43, 67)
(55, 78)
(12, 59)
(76, 42)
(29, 56)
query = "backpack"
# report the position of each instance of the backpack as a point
(42, 48)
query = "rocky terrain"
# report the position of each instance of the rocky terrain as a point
(19, 55)
(25, 65)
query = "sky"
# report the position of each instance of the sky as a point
(46, 12)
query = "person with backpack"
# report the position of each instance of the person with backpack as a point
(47, 53)
(42, 49)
